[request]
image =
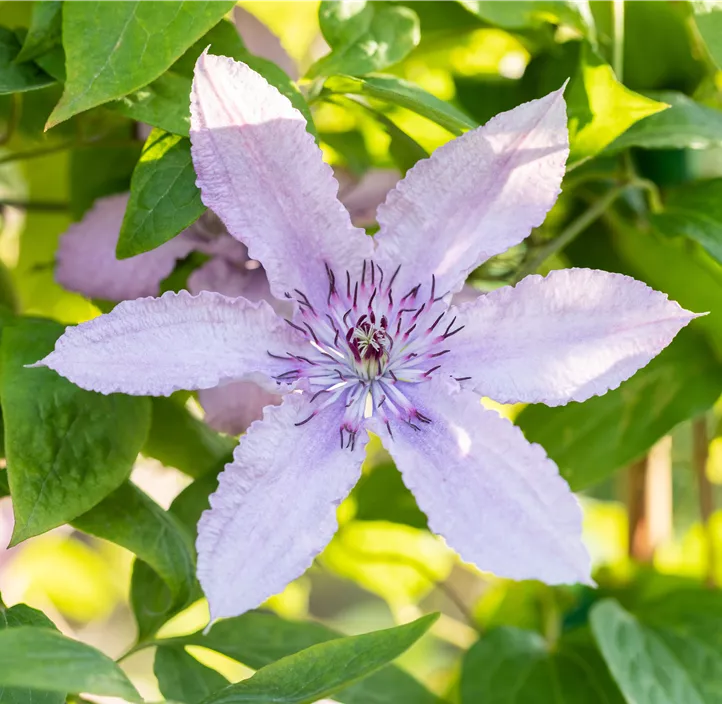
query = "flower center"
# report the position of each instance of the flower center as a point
(390, 343)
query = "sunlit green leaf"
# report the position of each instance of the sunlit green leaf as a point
(652, 660)
(22, 615)
(591, 440)
(685, 125)
(151, 598)
(179, 439)
(16, 77)
(258, 638)
(695, 211)
(30, 656)
(571, 671)
(164, 102)
(114, 48)
(708, 16)
(600, 107)
(181, 678)
(398, 562)
(364, 37)
(324, 669)
(522, 14)
(164, 199)
(398, 91)
(44, 32)
(66, 448)
(130, 518)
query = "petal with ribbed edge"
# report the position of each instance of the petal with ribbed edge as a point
(260, 171)
(573, 334)
(475, 196)
(496, 499)
(86, 261)
(275, 506)
(155, 346)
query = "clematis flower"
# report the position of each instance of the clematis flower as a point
(375, 344)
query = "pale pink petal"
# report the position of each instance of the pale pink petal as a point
(573, 334)
(275, 507)
(155, 346)
(247, 280)
(232, 408)
(476, 196)
(86, 260)
(468, 294)
(261, 41)
(363, 198)
(496, 499)
(261, 172)
(212, 238)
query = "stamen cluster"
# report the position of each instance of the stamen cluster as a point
(365, 346)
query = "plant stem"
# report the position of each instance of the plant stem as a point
(700, 452)
(573, 230)
(618, 44)
(37, 205)
(63, 146)
(12, 119)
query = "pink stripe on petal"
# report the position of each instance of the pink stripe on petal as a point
(86, 260)
(260, 171)
(476, 196)
(155, 346)
(571, 335)
(496, 499)
(275, 507)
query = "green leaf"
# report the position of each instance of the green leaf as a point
(14, 77)
(522, 14)
(591, 440)
(164, 102)
(44, 32)
(398, 91)
(66, 448)
(179, 439)
(151, 598)
(22, 615)
(99, 171)
(114, 48)
(130, 518)
(259, 638)
(694, 210)
(685, 125)
(364, 37)
(649, 664)
(381, 495)
(324, 669)
(572, 671)
(181, 678)
(687, 273)
(600, 107)
(30, 656)
(708, 16)
(164, 199)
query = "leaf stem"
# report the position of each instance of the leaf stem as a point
(63, 146)
(700, 452)
(37, 205)
(618, 43)
(12, 119)
(569, 233)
